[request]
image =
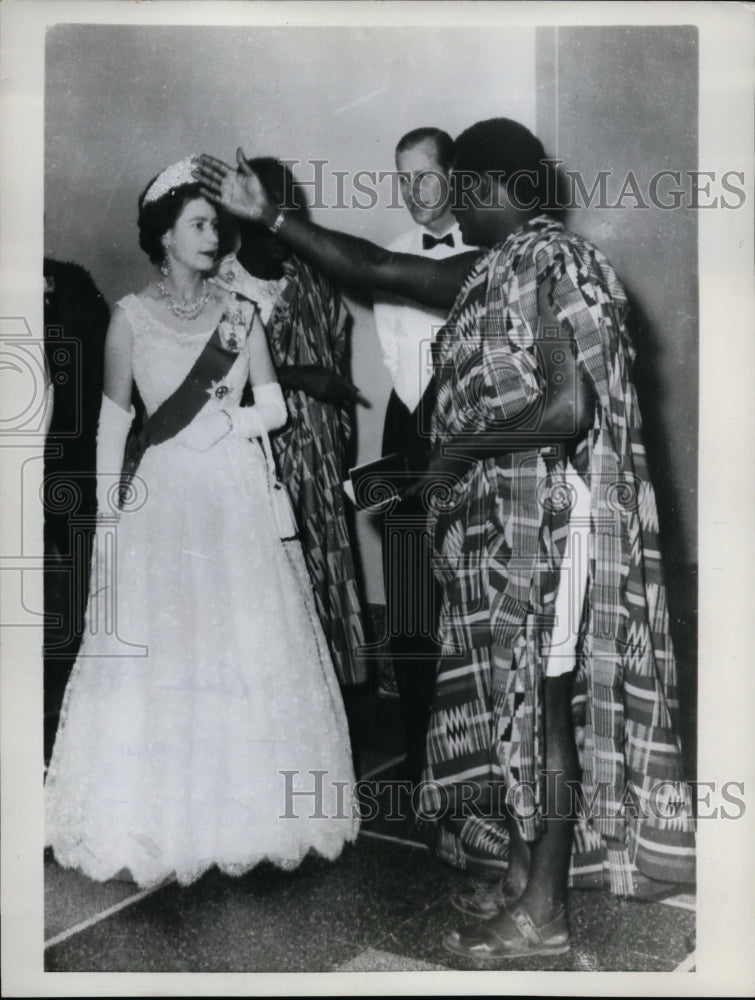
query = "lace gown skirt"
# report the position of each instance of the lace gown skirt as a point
(208, 678)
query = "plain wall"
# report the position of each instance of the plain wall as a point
(122, 102)
(624, 99)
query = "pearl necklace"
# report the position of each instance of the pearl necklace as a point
(184, 310)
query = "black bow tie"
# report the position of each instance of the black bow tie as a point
(428, 241)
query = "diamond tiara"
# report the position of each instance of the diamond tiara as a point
(172, 177)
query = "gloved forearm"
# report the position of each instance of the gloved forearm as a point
(268, 412)
(112, 431)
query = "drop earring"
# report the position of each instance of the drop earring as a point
(165, 263)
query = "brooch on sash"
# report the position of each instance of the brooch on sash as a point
(219, 389)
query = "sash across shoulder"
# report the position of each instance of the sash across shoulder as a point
(182, 406)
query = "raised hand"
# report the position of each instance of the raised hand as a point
(239, 191)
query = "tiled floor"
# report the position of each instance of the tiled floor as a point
(383, 906)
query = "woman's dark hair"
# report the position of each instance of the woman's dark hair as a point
(157, 217)
(503, 147)
(444, 144)
(279, 183)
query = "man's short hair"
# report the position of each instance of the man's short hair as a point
(504, 147)
(444, 144)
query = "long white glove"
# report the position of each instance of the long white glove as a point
(112, 431)
(269, 411)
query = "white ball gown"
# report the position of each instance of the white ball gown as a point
(215, 677)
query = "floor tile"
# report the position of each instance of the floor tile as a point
(217, 925)
(383, 906)
(71, 898)
(308, 920)
(608, 934)
(373, 960)
(619, 931)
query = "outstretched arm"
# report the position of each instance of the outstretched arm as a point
(346, 258)
(318, 382)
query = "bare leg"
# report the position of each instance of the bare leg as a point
(550, 855)
(541, 909)
(489, 888)
(538, 873)
(517, 875)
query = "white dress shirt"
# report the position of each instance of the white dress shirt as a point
(406, 330)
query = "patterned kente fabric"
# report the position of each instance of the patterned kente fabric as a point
(308, 326)
(500, 537)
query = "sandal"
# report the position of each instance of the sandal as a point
(485, 899)
(485, 945)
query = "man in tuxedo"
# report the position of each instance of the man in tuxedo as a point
(406, 332)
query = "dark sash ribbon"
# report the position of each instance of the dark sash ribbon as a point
(180, 408)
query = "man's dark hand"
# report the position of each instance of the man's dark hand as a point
(318, 382)
(239, 191)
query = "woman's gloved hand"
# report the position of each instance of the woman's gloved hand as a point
(206, 430)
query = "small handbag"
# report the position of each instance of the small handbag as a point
(283, 509)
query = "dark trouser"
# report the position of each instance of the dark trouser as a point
(69, 507)
(411, 593)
